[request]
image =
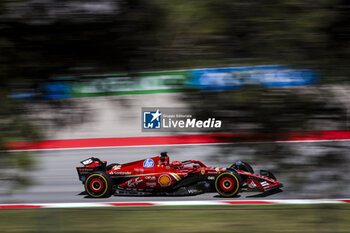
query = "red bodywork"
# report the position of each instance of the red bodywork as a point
(155, 174)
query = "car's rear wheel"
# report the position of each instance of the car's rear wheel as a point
(228, 183)
(98, 185)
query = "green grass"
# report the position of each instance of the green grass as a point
(281, 218)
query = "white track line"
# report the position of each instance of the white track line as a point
(228, 202)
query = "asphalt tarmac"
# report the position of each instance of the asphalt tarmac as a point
(55, 178)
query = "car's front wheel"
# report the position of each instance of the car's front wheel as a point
(98, 184)
(228, 183)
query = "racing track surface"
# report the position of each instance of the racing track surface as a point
(56, 179)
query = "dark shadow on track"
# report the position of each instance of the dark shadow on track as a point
(265, 194)
(218, 196)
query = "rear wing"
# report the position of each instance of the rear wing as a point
(90, 165)
(83, 172)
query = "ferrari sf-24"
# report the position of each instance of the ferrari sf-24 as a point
(159, 176)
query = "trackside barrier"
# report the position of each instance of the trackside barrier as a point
(207, 79)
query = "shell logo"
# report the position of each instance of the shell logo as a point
(164, 180)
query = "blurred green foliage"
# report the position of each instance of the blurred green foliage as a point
(283, 218)
(53, 37)
(14, 126)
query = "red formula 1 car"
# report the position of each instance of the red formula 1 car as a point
(157, 176)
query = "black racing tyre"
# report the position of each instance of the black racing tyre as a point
(98, 184)
(243, 166)
(228, 183)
